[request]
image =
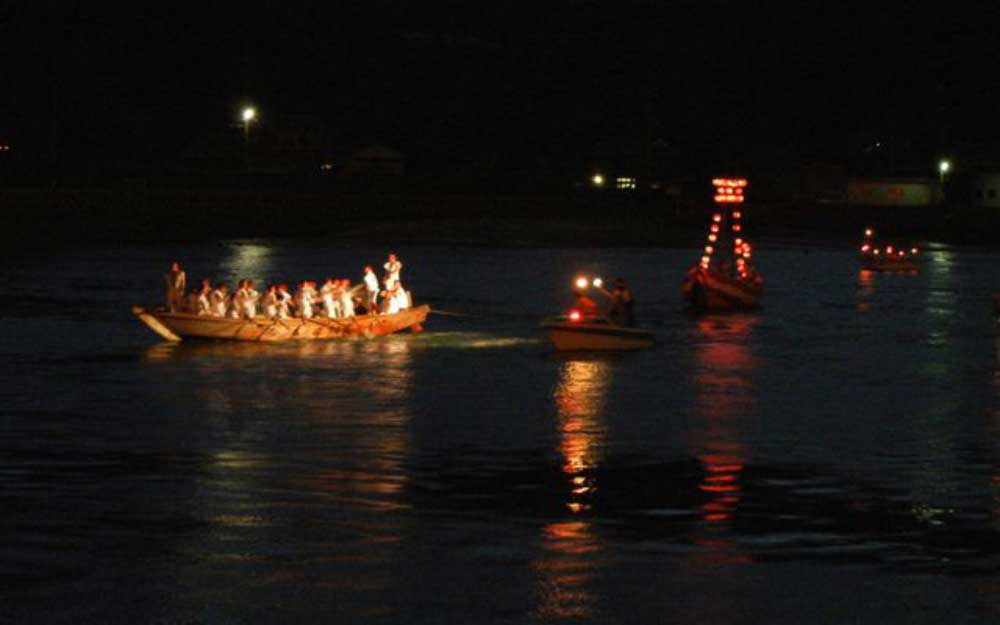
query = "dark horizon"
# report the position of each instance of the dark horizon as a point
(452, 81)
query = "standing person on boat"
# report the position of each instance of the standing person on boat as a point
(392, 268)
(176, 283)
(285, 301)
(371, 289)
(219, 300)
(622, 310)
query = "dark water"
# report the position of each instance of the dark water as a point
(830, 459)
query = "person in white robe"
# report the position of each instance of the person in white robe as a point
(204, 305)
(250, 299)
(269, 302)
(330, 304)
(390, 303)
(237, 300)
(304, 300)
(285, 302)
(393, 267)
(219, 299)
(176, 283)
(402, 297)
(346, 299)
(371, 290)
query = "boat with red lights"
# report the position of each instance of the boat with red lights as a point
(875, 256)
(715, 285)
(584, 328)
(574, 333)
(176, 326)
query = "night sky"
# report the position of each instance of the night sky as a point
(140, 81)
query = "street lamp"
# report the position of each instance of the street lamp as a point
(598, 180)
(943, 168)
(248, 114)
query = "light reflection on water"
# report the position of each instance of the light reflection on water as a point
(567, 566)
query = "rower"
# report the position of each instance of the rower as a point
(390, 301)
(270, 302)
(285, 301)
(250, 300)
(328, 295)
(238, 300)
(219, 299)
(204, 304)
(346, 298)
(176, 283)
(304, 299)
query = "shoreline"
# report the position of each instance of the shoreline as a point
(45, 220)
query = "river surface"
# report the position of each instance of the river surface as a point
(832, 458)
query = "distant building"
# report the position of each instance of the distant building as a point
(892, 192)
(985, 189)
(373, 161)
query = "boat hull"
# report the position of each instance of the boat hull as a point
(179, 326)
(572, 336)
(710, 291)
(873, 263)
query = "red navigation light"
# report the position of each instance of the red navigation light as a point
(574, 315)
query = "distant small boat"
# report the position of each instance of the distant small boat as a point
(732, 284)
(175, 326)
(572, 333)
(888, 257)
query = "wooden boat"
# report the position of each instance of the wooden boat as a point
(875, 257)
(711, 286)
(571, 333)
(709, 290)
(175, 326)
